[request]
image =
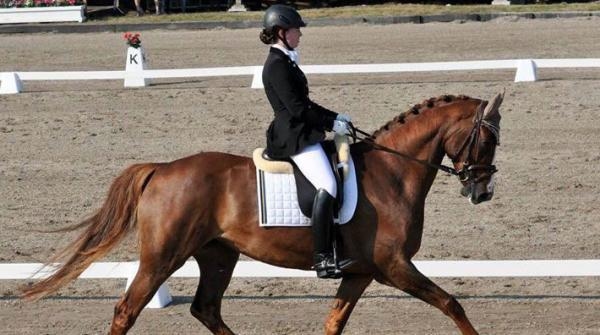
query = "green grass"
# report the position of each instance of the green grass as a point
(352, 11)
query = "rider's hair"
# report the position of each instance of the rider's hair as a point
(269, 36)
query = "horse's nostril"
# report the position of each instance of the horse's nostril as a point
(465, 191)
(484, 197)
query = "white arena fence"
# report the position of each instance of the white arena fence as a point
(526, 70)
(245, 269)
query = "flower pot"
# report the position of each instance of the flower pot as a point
(42, 14)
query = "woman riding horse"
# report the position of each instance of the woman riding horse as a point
(205, 206)
(299, 127)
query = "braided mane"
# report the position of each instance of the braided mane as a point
(418, 108)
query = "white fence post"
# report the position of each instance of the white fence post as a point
(526, 71)
(257, 78)
(135, 65)
(161, 298)
(10, 83)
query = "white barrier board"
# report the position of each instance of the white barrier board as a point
(508, 268)
(526, 70)
(504, 268)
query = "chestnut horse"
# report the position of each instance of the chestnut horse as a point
(205, 206)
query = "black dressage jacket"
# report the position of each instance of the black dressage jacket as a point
(298, 121)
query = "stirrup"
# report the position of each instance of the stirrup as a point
(328, 268)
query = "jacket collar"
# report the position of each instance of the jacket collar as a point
(282, 53)
(278, 52)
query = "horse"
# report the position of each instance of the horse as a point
(205, 206)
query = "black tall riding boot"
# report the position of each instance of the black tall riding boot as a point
(322, 222)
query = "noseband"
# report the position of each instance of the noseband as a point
(467, 172)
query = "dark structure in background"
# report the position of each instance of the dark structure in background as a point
(222, 5)
(258, 4)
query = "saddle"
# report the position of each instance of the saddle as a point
(342, 149)
(284, 192)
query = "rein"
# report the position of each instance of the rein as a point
(464, 174)
(367, 138)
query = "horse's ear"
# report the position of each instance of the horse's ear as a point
(492, 110)
(479, 111)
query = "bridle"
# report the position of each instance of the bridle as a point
(467, 172)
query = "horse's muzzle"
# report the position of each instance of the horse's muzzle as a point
(476, 193)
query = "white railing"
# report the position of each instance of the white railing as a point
(472, 268)
(526, 70)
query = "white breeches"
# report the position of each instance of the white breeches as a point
(313, 163)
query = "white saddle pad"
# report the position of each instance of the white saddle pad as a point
(278, 199)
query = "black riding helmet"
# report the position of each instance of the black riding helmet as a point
(282, 16)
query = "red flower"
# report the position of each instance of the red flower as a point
(132, 40)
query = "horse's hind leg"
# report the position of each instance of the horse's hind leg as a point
(350, 290)
(165, 244)
(148, 279)
(405, 276)
(216, 262)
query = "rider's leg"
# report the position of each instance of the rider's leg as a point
(313, 163)
(322, 222)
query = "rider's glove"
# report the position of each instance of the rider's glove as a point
(343, 117)
(341, 127)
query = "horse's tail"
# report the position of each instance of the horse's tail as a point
(104, 230)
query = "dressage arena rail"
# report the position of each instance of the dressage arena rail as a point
(470, 268)
(526, 70)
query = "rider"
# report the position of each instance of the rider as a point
(299, 126)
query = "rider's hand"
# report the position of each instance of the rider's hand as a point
(343, 117)
(341, 127)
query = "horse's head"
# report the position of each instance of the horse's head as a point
(472, 148)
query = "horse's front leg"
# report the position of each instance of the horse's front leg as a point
(405, 276)
(350, 290)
